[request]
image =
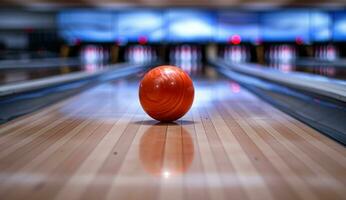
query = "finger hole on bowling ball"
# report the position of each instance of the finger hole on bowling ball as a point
(157, 123)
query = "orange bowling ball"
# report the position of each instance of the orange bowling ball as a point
(166, 93)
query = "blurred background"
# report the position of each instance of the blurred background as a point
(269, 76)
(58, 37)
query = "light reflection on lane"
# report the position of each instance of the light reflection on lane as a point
(166, 150)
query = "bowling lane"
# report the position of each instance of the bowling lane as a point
(101, 145)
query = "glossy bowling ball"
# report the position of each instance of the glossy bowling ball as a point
(166, 93)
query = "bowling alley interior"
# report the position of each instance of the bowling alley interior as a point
(172, 100)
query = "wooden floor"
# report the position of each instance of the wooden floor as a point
(231, 145)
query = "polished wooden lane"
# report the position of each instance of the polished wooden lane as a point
(231, 145)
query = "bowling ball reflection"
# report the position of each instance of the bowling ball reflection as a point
(166, 153)
(166, 93)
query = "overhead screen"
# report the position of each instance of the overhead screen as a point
(320, 26)
(135, 24)
(87, 25)
(244, 24)
(202, 25)
(285, 25)
(339, 28)
(190, 25)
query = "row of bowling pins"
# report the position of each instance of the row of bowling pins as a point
(140, 54)
(237, 54)
(191, 67)
(281, 53)
(324, 70)
(93, 67)
(282, 66)
(326, 52)
(288, 67)
(94, 54)
(185, 53)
